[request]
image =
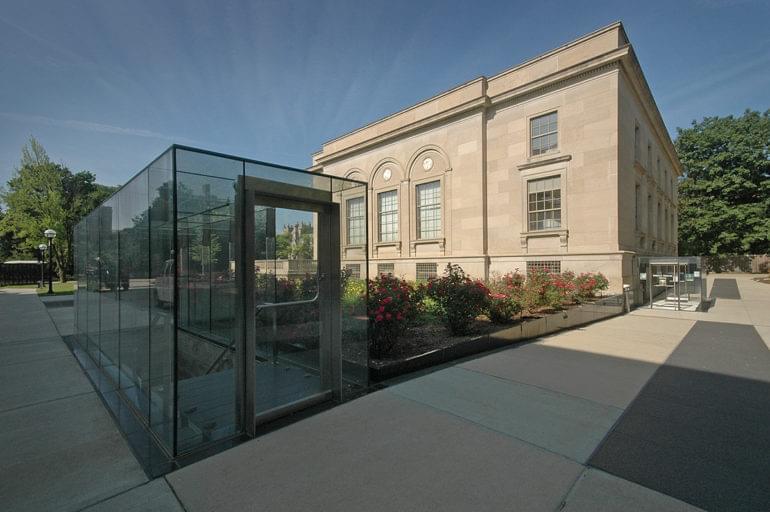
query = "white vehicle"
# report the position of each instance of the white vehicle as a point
(164, 284)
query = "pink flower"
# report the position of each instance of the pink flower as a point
(378, 318)
(388, 316)
(381, 309)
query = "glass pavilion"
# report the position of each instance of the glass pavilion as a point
(210, 300)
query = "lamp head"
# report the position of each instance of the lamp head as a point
(50, 234)
(42, 247)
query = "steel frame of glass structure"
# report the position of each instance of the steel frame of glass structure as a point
(672, 282)
(210, 300)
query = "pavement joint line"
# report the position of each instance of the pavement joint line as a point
(3, 411)
(124, 491)
(60, 356)
(173, 491)
(482, 426)
(30, 340)
(549, 390)
(571, 489)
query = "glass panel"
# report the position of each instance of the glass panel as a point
(287, 301)
(159, 295)
(132, 225)
(108, 293)
(206, 292)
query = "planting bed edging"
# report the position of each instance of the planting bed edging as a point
(532, 328)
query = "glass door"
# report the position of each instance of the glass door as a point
(291, 338)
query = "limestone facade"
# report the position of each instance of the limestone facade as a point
(561, 162)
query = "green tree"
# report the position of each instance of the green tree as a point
(724, 195)
(41, 195)
(286, 247)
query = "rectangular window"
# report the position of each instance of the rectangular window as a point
(659, 232)
(429, 210)
(425, 271)
(649, 216)
(356, 217)
(638, 207)
(649, 158)
(544, 203)
(354, 270)
(385, 268)
(543, 133)
(552, 267)
(387, 208)
(665, 226)
(637, 144)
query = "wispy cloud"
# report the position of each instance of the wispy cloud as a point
(89, 126)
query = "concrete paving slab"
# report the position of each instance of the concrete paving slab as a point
(38, 381)
(32, 350)
(378, 453)
(154, 496)
(563, 424)
(607, 380)
(597, 491)
(63, 455)
(24, 316)
(652, 352)
(764, 332)
(698, 430)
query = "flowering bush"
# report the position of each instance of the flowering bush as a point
(505, 297)
(588, 284)
(391, 306)
(461, 298)
(565, 287)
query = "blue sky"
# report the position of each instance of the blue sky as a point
(106, 85)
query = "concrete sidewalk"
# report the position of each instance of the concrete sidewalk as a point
(59, 447)
(518, 429)
(552, 425)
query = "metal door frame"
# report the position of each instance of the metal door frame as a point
(290, 196)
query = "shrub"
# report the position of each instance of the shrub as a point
(354, 297)
(538, 290)
(461, 298)
(505, 297)
(565, 287)
(589, 284)
(391, 307)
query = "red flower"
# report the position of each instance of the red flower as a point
(388, 316)
(378, 318)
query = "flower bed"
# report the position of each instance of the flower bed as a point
(454, 315)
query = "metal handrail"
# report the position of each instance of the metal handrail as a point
(260, 308)
(274, 306)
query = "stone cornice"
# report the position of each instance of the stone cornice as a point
(477, 104)
(599, 64)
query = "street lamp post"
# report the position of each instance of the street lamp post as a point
(50, 234)
(42, 248)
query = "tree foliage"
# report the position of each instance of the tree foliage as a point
(41, 195)
(724, 196)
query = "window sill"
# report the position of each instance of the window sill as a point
(355, 246)
(547, 159)
(427, 241)
(562, 233)
(379, 245)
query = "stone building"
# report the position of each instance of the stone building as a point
(562, 162)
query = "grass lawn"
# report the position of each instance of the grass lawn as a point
(67, 288)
